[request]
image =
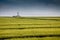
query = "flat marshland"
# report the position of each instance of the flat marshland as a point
(29, 28)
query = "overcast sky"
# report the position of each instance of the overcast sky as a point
(30, 7)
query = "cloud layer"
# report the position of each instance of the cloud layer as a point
(30, 7)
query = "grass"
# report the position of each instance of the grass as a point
(47, 38)
(29, 26)
(24, 32)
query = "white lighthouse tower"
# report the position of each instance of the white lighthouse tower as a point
(18, 14)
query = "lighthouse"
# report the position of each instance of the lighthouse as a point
(18, 14)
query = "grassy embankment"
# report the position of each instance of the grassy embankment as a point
(30, 28)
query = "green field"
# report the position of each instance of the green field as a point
(29, 28)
